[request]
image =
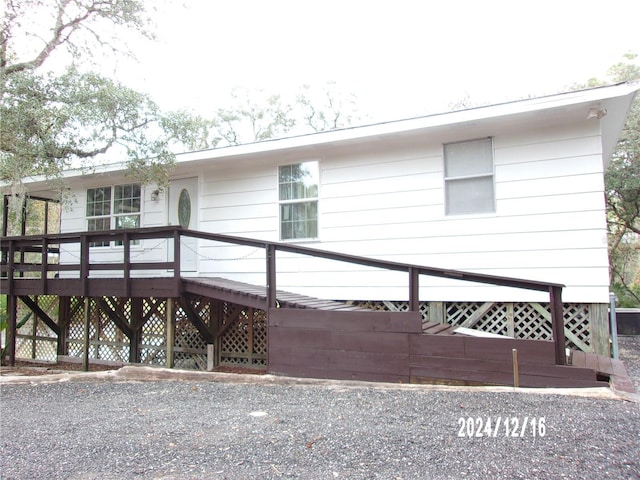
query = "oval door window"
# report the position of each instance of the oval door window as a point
(184, 209)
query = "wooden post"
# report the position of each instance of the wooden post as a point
(11, 265)
(12, 311)
(170, 333)
(176, 259)
(34, 330)
(136, 329)
(84, 264)
(44, 264)
(414, 289)
(599, 328)
(270, 250)
(87, 331)
(250, 315)
(510, 321)
(64, 317)
(437, 312)
(516, 373)
(127, 264)
(210, 357)
(557, 324)
(46, 217)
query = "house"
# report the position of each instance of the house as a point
(511, 190)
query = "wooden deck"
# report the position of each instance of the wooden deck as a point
(256, 296)
(306, 336)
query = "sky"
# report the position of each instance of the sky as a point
(400, 58)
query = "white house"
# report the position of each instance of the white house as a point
(515, 189)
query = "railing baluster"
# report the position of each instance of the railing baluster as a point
(176, 257)
(44, 264)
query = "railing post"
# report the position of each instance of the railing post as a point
(127, 264)
(44, 264)
(84, 264)
(270, 250)
(11, 265)
(84, 278)
(176, 257)
(414, 289)
(557, 324)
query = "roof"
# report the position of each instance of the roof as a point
(608, 104)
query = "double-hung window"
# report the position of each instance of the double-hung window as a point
(298, 194)
(116, 207)
(468, 177)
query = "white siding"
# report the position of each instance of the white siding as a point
(386, 201)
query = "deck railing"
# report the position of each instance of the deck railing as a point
(43, 245)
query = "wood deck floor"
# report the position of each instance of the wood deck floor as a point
(256, 296)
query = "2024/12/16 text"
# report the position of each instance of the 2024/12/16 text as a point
(470, 427)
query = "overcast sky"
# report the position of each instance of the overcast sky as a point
(400, 58)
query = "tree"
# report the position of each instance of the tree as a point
(52, 121)
(254, 117)
(257, 116)
(327, 109)
(623, 197)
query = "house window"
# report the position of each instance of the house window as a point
(468, 177)
(115, 207)
(298, 193)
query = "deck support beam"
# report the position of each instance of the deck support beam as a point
(64, 317)
(170, 332)
(87, 326)
(136, 323)
(12, 310)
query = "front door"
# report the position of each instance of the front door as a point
(183, 211)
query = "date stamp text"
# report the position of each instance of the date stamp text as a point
(514, 427)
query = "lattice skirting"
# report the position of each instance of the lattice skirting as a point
(239, 334)
(517, 320)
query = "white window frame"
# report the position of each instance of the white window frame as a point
(298, 201)
(111, 215)
(487, 205)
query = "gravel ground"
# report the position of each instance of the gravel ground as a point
(216, 430)
(629, 351)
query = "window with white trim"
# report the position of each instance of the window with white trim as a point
(468, 177)
(298, 194)
(113, 208)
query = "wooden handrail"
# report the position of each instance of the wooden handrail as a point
(35, 243)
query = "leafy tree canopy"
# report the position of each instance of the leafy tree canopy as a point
(54, 120)
(623, 195)
(256, 116)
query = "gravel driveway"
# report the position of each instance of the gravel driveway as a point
(219, 430)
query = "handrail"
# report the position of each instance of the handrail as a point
(43, 243)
